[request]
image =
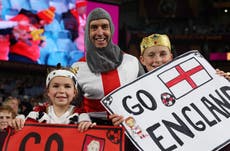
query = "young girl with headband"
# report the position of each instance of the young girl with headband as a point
(61, 87)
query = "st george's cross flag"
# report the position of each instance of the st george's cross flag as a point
(186, 75)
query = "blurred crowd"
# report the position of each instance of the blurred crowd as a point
(27, 90)
(188, 26)
(42, 32)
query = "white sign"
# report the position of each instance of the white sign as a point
(183, 105)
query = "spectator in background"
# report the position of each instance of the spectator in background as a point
(23, 48)
(6, 115)
(14, 102)
(28, 36)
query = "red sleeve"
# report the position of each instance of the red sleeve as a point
(79, 110)
(41, 108)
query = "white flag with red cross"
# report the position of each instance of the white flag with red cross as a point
(187, 75)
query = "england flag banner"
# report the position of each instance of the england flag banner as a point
(183, 106)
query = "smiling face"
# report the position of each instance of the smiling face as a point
(13, 103)
(100, 33)
(61, 91)
(5, 117)
(155, 56)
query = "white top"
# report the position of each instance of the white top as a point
(52, 118)
(91, 83)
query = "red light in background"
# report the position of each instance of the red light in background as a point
(214, 56)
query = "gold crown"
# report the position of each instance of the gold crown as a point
(155, 40)
(74, 70)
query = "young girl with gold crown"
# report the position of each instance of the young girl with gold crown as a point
(61, 88)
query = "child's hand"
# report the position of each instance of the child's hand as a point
(85, 125)
(17, 123)
(116, 119)
(222, 73)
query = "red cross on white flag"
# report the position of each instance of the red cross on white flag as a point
(185, 77)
